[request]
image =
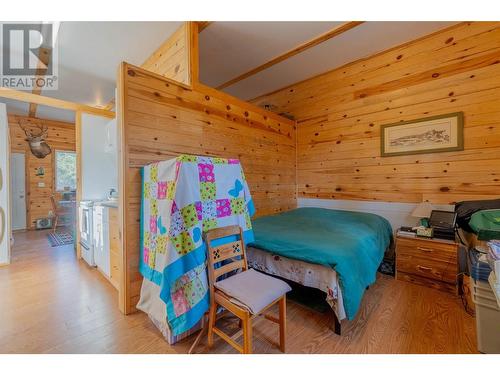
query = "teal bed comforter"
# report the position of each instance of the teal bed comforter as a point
(352, 243)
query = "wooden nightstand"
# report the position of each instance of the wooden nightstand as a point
(428, 262)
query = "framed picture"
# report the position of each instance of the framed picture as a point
(427, 135)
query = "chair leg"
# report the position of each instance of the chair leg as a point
(55, 223)
(200, 334)
(282, 306)
(247, 335)
(211, 322)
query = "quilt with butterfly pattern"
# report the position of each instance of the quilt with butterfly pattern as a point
(181, 199)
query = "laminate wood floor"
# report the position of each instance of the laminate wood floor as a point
(52, 303)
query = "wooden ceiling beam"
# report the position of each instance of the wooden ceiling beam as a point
(29, 97)
(109, 106)
(294, 51)
(43, 63)
(202, 25)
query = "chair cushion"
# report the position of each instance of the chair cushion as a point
(253, 290)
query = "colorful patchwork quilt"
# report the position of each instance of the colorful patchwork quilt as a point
(181, 199)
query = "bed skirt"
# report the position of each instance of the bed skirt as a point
(307, 274)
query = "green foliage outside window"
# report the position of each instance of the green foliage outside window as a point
(65, 170)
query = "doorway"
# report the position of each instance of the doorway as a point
(18, 190)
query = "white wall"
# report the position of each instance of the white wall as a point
(398, 214)
(99, 164)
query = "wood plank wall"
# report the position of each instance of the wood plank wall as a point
(339, 116)
(61, 136)
(172, 58)
(160, 119)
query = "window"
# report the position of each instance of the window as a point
(65, 170)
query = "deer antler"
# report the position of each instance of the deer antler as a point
(43, 129)
(24, 128)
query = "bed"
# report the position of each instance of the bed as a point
(335, 251)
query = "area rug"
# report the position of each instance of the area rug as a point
(60, 238)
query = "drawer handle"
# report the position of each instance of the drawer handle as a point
(425, 249)
(423, 268)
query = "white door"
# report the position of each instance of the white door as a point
(17, 190)
(4, 187)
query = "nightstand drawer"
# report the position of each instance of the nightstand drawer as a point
(428, 246)
(428, 252)
(429, 262)
(427, 267)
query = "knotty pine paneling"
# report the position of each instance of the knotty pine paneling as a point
(339, 115)
(61, 136)
(171, 59)
(160, 119)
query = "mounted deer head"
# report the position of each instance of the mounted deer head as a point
(36, 140)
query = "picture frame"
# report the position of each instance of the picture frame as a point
(442, 133)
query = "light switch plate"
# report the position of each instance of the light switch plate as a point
(41, 184)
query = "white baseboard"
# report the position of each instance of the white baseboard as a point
(398, 214)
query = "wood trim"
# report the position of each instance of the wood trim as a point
(133, 68)
(109, 106)
(123, 160)
(202, 25)
(53, 102)
(78, 139)
(193, 51)
(30, 120)
(294, 51)
(238, 102)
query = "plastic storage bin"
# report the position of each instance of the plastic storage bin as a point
(479, 268)
(495, 287)
(487, 317)
(494, 257)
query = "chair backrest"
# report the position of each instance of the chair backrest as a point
(228, 257)
(54, 203)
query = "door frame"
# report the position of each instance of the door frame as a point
(5, 182)
(26, 188)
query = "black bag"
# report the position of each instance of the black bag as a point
(466, 209)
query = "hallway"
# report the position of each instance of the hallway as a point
(50, 303)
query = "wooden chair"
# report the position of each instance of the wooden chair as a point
(59, 212)
(227, 260)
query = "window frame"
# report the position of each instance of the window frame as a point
(56, 189)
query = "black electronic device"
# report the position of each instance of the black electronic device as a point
(443, 224)
(408, 229)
